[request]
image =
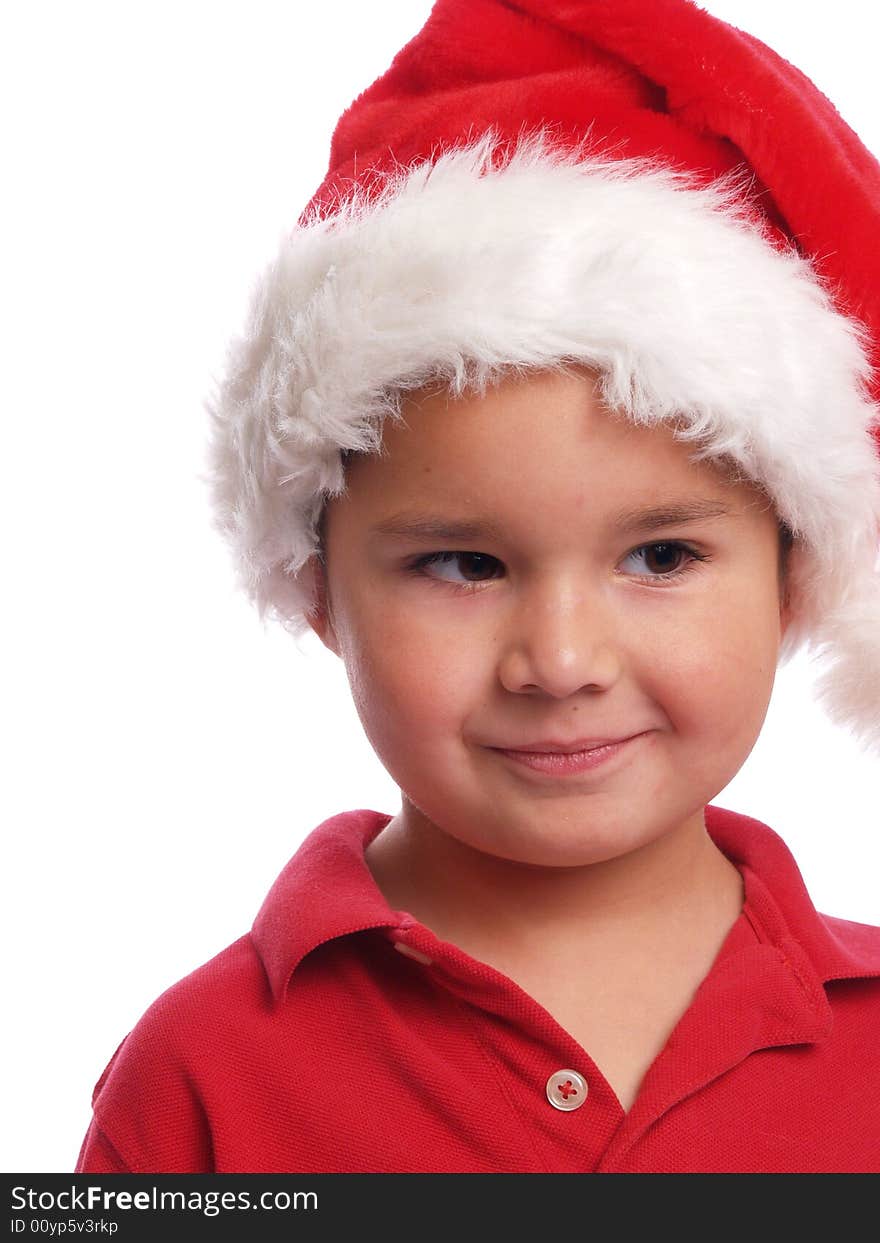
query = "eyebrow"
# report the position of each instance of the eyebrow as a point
(424, 526)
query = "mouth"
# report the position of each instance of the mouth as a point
(559, 760)
(568, 748)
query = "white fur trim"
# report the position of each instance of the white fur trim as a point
(465, 268)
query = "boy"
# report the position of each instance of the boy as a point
(550, 432)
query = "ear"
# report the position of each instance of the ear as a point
(320, 616)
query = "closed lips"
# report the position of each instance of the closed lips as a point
(567, 748)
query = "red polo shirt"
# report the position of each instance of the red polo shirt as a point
(341, 1036)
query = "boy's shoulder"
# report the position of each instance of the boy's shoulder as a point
(222, 1031)
(837, 948)
(150, 1103)
(193, 1013)
(324, 892)
(859, 945)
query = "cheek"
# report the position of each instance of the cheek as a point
(409, 678)
(721, 670)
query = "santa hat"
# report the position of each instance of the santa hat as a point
(632, 185)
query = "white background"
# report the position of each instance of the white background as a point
(164, 756)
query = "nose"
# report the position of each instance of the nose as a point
(560, 639)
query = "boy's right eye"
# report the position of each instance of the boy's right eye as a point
(478, 562)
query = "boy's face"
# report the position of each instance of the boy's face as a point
(571, 624)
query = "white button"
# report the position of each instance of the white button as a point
(411, 953)
(566, 1089)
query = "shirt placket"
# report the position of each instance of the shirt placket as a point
(558, 1097)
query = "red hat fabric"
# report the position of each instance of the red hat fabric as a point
(647, 78)
(632, 185)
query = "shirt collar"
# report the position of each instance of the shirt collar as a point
(327, 891)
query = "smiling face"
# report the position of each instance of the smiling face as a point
(554, 614)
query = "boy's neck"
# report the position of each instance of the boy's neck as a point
(661, 896)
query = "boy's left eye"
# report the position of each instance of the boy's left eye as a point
(666, 556)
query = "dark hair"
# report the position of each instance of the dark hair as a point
(321, 532)
(786, 541)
